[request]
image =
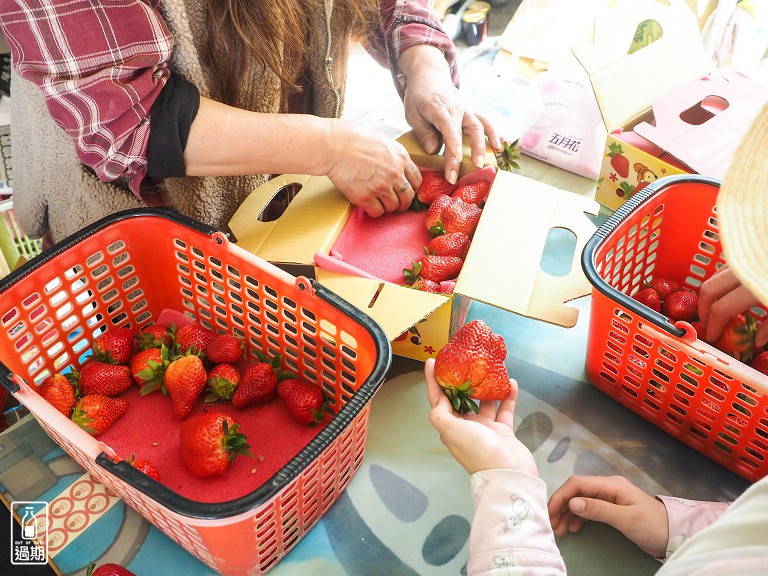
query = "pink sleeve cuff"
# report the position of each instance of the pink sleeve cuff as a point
(686, 517)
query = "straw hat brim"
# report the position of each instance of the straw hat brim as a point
(742, 209)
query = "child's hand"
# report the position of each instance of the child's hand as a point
(615, 501)
(482, 441)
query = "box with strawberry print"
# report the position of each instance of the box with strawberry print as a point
(390, 266)
(678, 118)
(213, 392)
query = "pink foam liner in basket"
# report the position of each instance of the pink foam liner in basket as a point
(380, 248)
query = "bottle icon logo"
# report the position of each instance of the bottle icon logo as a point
(28, 524)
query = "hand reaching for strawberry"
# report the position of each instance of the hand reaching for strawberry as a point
(721, 298)
(481, 441)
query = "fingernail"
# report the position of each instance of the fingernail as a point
(452, 175)
(577, 505)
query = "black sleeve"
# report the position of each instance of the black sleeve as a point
(170, 119)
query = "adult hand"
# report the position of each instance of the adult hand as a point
(721, 297)
(481, 441)
(374, 172)
(436, 111)
(615, 501)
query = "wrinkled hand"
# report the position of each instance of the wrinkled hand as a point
(374, 172)
(437, 112)
(615, 501)
(481, 441)
(721, 297)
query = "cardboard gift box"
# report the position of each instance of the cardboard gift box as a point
(502, 267)
(664, 113)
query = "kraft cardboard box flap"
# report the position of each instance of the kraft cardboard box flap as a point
(625, 84)
(310, 223)
(503, 266)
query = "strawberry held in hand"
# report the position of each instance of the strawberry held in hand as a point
(738, 337)
(209, 441)
(471, 365)
(433, 184)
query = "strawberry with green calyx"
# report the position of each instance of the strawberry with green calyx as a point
(155, 336)
(59, 392)
(455, 215)
(435, 268)
(471, 366)
(475, 193)
(223, 380)
(148, 369)
(425, 285)
(682, 305)
(259, 381)
(96, 377)
(225, 349)
(115, 346)
(209, 441)
(95, 413)
(619, 162)
(146, 466)
(435, 212)
(453, 244)
(305, 402)
(192, 338)
(185, 379)
(649, 297)
(107, 570)
(738, 337)
(508, 156)
(433, 184)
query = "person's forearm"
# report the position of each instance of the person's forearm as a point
(423, 60)
(227, 141)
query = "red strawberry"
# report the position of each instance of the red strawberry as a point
(114, 346)
(257, 386)
(760, 362)
(101, 378)
(426, 286)
(435, 212)
(224, 349)
(698, 326)
(682, 305)
(209, 441)
(434, 268)
(664, 286)
(475, 193)
(433, 184)
(455, 216)
(471, 365)
(453, 244)
(148, 368)
(59, 392)
(738, 337)
(95, 413)
(185, 379)
(305, 402)
(223, 380)
(193, 336)
(154, 336)
(146, 466)
(619, 162)
(649, 297)
(108, 570)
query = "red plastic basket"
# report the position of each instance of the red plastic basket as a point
(660, 370)
(124, 271)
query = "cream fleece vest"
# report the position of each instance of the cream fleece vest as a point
(53, 190)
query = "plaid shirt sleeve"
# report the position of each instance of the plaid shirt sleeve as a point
(100, 65)
(406, 23)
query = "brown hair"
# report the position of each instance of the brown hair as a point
(273, 34)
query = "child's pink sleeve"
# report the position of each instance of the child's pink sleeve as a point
(511, 533)
(686, 517)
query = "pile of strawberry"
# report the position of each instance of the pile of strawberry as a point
(182, 364)
(679, 302)
(453, 213)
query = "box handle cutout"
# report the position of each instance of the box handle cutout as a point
(559, 249)
(704, 110)
(646, 33)
(279, 203)
(375, 296)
